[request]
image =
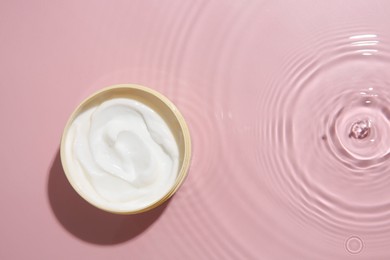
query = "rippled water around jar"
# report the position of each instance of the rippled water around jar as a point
(288, 107)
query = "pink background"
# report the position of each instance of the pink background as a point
(212, 59)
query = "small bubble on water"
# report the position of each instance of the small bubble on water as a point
(354, 245)
(360, 129)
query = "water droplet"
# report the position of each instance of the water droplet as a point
(360, 129)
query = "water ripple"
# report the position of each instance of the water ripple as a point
(327, 176)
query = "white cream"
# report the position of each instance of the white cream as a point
(122, 154)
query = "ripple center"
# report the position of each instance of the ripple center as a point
(360, 129)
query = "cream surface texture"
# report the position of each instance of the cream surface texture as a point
(121, 154)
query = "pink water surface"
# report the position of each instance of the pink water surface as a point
(270, 91)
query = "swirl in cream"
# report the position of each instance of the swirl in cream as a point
(124, 154)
